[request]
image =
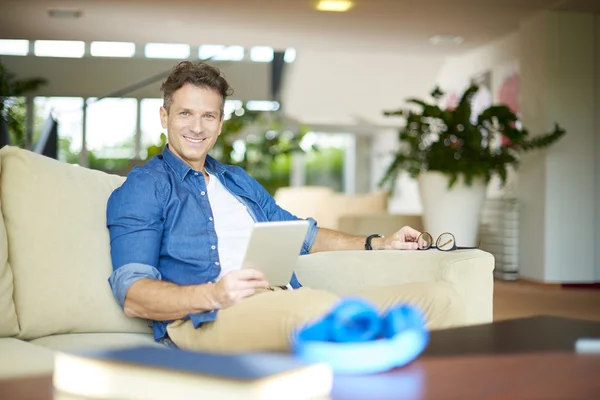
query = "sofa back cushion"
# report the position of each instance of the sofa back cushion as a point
(8, 318)
(58, 246)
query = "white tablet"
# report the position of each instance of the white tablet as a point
(274, 248)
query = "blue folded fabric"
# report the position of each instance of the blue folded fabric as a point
(354, 338)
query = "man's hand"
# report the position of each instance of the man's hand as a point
(404, 239)
(166, 301)
(237, 285)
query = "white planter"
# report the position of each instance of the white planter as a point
(456, 210)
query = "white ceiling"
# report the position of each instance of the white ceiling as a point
(401, 26)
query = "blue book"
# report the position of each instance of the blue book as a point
(152, 372)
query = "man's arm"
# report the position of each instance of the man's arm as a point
(330, 240)
(322, 239)
(166, 301)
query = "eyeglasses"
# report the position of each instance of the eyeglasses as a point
(445, 242)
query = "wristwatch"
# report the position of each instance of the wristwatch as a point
(368, 241)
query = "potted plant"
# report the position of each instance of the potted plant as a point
(13, 109)
(453, 154)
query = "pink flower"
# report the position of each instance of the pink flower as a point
(452, 101)
(509, 92)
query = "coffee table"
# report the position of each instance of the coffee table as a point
(527, 358)
(507, 376)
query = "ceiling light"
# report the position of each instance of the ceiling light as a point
(334, 5)
(64, 13)
(446, 39)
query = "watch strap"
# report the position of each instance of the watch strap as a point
(368, 241)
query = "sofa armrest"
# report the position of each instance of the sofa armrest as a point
(469, 272)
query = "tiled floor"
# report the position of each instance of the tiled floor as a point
(520, 299)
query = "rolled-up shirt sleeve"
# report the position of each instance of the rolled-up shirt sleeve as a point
(135, 222)
(123, 277)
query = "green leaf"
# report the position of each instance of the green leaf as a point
(394, 113)
(545, 140)
(437, 93)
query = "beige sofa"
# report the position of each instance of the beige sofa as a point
(55, 261)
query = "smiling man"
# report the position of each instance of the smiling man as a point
(178, 226)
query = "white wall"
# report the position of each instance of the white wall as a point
(532, 173)
(557, 187)
(570, 165)
(406, 199)
(339, 88)
(597, 169)
(501, 57)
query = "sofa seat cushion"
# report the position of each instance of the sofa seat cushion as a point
(59, 246)
(19, 358)
(9, 325)
(83, 341)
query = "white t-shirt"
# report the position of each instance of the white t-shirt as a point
(233, 224)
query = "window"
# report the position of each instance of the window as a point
(59, 48)
(150, 123)
(256, 105)
(289, 56)
(326, 167)
(68, 112)
(110, 127)
(231, 106)
(112, 49)
(167, 50)
(221, 53)
(261, 54)
(11, 47)
(209, 51)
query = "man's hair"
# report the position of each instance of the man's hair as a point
(200, 75)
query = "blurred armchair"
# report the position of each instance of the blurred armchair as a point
(360, 214)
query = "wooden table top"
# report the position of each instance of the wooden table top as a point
(522, 335)
(545, 376)
(507, 376)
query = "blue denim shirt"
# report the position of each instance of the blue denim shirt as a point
(161, 226)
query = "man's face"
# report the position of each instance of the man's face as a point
(193, 123)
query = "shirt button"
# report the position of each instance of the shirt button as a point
(217, 263)
(195, 173)
(213, 247)
(203, 193)
(210, 218)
